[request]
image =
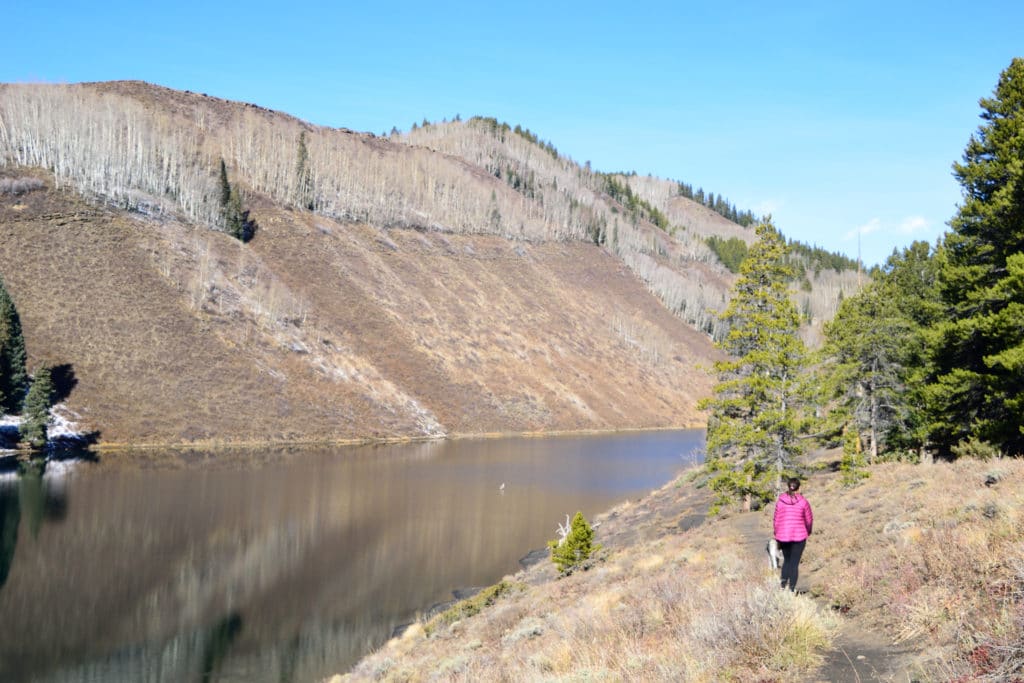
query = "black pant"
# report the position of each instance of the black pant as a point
(791, 552)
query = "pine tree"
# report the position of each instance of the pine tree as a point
(978, 349)
(864, 340)
(235, 218)
(875, 355)
(572, 552)
(13, 378)
(754, 423)
(233, 214)
(303, 176)
(911, 283)
(875, 345)
(225, 186)
(36, 412)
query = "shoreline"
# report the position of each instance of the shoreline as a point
(668, 510)
(371, 441)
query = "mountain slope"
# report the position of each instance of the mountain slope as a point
(669, 252)
(324, 330)
(460, 278)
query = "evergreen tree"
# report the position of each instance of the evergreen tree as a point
(911, 282)
(575, 549)
(233, 214)
(225, 186)
(755, 418)
(36, 412)
(868, 340)
(978, 349)
(236, 218)
(730, 252)
(13, 378)
(304, 175)
(875, 355)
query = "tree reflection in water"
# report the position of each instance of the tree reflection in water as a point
(283, 565)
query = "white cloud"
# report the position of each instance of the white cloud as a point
(873, 225)
(768, 206)
(908, 226)
(912, 224)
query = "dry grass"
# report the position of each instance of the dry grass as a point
(936, 558)
(674, 624)
(17, 186)
(320, 331)
(929, 555)
(674, 607)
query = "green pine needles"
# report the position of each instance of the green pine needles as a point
(36, 414)
(13, 378)
(575, 548)
(303, 176)
(233, 214)
(977, 347)
(756, 408)
(929, 356)
(730, 251)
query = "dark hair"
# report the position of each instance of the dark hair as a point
(793, 484)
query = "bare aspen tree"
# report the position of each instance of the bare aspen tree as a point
(474, 177)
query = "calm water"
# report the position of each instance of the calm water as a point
(287, 565)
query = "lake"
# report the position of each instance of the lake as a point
(287, 564)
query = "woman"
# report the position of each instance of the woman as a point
(793, 523)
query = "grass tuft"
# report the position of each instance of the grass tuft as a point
(468, 607)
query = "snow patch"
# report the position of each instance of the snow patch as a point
(64, 425)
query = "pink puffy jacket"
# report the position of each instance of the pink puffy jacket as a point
(793, 518)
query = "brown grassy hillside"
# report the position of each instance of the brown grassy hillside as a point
(156, 150)
(461, 278)
(319, 329)
(675, 263)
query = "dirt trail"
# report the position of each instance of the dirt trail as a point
(859, 653)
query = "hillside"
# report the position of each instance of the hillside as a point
(320, 330)
(458, 279)
(673, 260)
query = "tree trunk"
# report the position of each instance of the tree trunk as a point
(872, 431)
(874, 444)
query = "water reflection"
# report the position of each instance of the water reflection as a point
(282, 565)
(24, 494)
(222, 635)
(10, 518)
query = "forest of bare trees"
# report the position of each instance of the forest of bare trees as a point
(156, 151)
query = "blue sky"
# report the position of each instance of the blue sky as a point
(837, 119)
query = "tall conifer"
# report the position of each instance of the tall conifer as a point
(225, 186)
(36, 415)
(13, 377)
(978, 349)
(233, 214)
(303, 176)
(755, 412)
(876, 345)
